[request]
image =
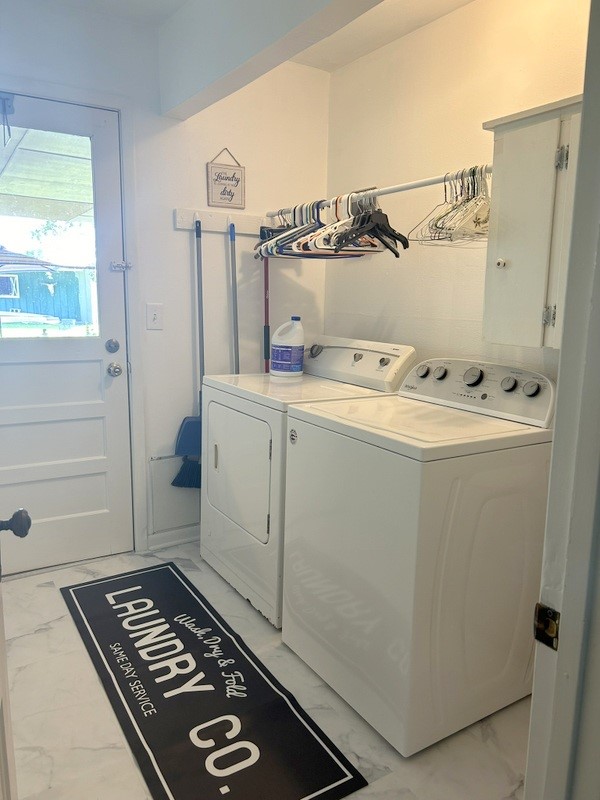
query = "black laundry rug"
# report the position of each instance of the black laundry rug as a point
(202, 715)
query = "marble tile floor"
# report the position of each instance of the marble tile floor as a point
(69, 746)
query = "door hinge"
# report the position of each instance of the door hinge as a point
(549, 316)
(546, 623)
(561, 160)
(270, 448)
(268, 524)
(120, 266)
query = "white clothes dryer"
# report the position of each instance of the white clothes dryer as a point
(244, 438)
(413, 541)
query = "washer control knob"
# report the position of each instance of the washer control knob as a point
(439, 373)
(509, 384)
(383, 362)
(473, 376)
(357, 357)
(422, 371)
(531, 388)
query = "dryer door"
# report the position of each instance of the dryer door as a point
(239, 468)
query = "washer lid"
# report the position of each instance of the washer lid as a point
(278, 393)
(418, 429)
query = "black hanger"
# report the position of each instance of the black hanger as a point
(373, 223)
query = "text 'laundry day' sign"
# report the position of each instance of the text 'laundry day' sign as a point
(226, 183)
(202, 715)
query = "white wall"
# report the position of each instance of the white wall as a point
(69, 54)
(262, 128)
(414, 109)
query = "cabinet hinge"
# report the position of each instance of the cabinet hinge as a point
(546, 623)
(270, 448)
(549, 316)
(268, 524)
(561, 160)
(120, 266)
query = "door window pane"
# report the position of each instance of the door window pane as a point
(48, 279)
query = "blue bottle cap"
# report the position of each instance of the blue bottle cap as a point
(296, 319)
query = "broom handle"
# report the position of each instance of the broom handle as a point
(200, 305)
(234, 301)
(266, 327)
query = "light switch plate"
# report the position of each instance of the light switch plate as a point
(154, 316)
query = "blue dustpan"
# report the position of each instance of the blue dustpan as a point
(189, 437)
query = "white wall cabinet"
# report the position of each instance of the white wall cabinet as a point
(535, 161)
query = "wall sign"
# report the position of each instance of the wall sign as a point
(226, 183)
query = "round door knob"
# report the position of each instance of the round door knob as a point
(473, 376)
(439, 373)
(19, 523)
(509, 384)
(531, 388)
(114, 369)
(422, 371)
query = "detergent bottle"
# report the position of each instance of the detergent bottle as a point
(287, 349)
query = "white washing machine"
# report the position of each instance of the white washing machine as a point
(244, 437)
(413, 541)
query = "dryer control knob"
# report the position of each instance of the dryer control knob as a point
(473, 376)
(422, 371)
(531, 388)
(383, 362)
(439, 373)
(509, 384)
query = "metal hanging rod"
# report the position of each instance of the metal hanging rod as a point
(401, 187)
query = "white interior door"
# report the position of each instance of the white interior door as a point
(563, 759)
(64, 420)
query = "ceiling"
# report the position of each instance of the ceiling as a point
(383, 24)
(388, 21)
(151, 12)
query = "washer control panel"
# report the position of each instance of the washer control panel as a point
(497, 390)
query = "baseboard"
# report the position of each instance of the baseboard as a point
(177, 536)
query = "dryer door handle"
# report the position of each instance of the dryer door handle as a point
(216, 456)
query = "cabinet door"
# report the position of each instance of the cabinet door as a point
(561, 230)
(523, 192)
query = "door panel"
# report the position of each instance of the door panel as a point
(64, 421)
(239, 468)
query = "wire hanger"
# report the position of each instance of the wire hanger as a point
(463, 216)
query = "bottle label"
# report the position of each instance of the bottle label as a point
(287, 357)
